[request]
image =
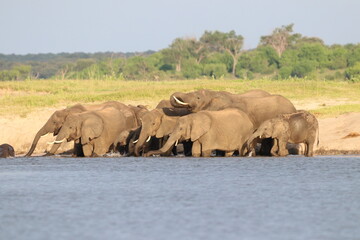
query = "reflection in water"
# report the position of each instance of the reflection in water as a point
(180, 198)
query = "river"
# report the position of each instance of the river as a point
(180, 198)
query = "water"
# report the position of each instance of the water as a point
(180, 198)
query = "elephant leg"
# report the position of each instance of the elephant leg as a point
(282, 148)
(275, 148)
(196, 149)
(78, 151)
(187, 148)
(229, 153)
(309, 148)
(206, 153)
(88, 150)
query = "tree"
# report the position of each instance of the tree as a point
(279, 39)
(227, 42)
(178, 50)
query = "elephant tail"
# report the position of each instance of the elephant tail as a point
(317, 137)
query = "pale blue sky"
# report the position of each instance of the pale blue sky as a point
(42, 26)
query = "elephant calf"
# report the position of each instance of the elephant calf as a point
(6, 150)
(298, 127)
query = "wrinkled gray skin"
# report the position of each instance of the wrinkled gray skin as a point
(157, 123)
(6, 150)
(211, 130)
(299, 127)
(56, 120)
(97, 130)
(258, 104)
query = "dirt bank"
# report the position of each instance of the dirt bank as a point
(338, 135)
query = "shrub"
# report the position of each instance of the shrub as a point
(215, 70)
(353, 73)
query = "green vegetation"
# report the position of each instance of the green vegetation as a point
(22, 97)
(217, 55)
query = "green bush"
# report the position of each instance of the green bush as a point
(215, 70)
(353, 73)
(303, 69)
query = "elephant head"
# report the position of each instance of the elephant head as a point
(81, 125)
(53, 125)
(150, 123)
(6, 150)
(158, 123)
(272, 128)
(210, 100)
(190, 127)
(195, 101)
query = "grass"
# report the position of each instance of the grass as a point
(20, 98)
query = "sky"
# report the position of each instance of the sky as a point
(54, 26)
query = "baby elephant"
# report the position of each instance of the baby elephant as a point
(298, 127)
(6, 150)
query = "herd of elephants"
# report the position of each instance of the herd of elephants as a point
(206, 123)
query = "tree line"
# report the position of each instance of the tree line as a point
(282, 54)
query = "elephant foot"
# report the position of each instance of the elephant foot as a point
(48, 154)
(152, 153)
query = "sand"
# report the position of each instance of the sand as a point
(338, 135)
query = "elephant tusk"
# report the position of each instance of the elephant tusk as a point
(260, 136)
(58, 141)
(180, 102)
(176, 143)
(136, 141)
(148, 139)
(45, 134)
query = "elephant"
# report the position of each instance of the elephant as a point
(211, 130)
(258, 104)
(157, 123)
(56, 120)
(211, 100)
(6, 150)
(164, 104)
(97, 131)
(298, 127)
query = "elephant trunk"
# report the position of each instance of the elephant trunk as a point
(140, 143)
(177, 100)
(56, 144)
(250, 142)
(43, 131)
(166, 148)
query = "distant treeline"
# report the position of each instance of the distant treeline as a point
(280, 55)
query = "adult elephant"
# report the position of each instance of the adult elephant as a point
(157, 123)
(211, 130)
(56, 120)
(258, 104)
(211, 100)
(299, 127)
(6, 150)
(97, 130)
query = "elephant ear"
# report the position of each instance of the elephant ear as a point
(200, 124)
(166, 126)
(91, 128)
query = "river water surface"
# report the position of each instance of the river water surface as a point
(180, 198)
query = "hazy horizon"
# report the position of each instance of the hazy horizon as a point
(49, 26)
